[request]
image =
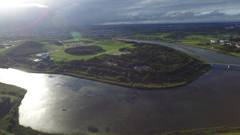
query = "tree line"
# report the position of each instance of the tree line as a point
(4, 102)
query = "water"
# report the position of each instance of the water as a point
(211, 100)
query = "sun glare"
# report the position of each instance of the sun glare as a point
(11, 3)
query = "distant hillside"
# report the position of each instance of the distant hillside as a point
(26, 48)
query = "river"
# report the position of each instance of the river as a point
(207, 55)
(64, 104)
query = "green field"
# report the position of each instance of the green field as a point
(2, 132)
(110, 47)
(75, 40)
(160, 35)
(57, 52)
(200, 37)
(13, 98)
(231, 134)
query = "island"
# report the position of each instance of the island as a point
(129, 64)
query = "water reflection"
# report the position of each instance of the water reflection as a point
(212, 100)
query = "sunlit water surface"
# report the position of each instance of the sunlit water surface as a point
(212, 100)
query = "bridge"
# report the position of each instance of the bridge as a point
(225, 66)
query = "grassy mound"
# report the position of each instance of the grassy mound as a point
(26, 48)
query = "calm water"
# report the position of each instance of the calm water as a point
(212, 100)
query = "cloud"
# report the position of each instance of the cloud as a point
(68, 10)
(130, 11)
(34, 5)
(174, 17)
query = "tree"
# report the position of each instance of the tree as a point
(121, 78)
(91, 70)
(130, 75)
(146, 78)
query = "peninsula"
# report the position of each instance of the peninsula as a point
(129, 64)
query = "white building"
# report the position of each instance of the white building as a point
(213, 41)
(224, 41)
(141, 67)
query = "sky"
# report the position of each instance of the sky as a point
(64, 13)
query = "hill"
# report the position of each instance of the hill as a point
(26, 48)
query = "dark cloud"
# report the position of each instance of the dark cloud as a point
(126, 11)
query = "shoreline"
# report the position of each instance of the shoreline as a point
(143, 86)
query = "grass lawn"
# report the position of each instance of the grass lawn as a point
(195, 43)
(13, 98)
(110, 47)
(189, 42)
(196, 39)
(201, 37)
(58, 54)
(161, 35)
(231, 134)
(75, 40)
(50, 48)
(2, 132)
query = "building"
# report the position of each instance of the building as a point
(141, 67)
(110, 63)
(224, 41)
(230, 27)
(213, 41)
(42, 57)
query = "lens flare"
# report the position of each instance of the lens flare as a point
(39, 18)
(76, 35)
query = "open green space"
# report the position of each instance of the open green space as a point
(84, 50)
(76, 40)
(160, 35)
(57, 52)
(200, 37)
(231, 134)
(2, 132)
(208, 131)
(198, 40)
(110, 47)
